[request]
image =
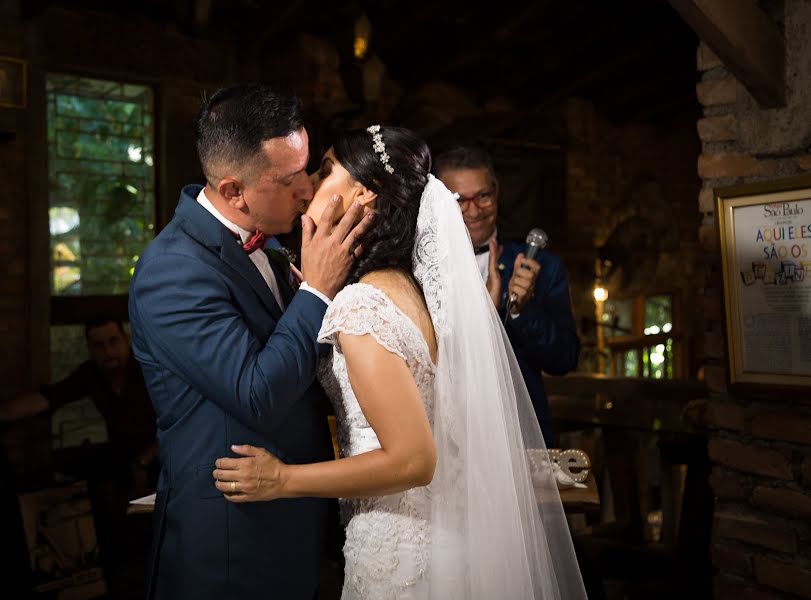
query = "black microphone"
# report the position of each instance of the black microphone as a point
(536, 240)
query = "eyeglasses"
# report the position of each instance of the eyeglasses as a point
(484, 199)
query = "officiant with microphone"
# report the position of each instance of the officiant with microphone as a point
(528, 284)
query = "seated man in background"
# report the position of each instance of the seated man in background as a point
(128, 468)
(540, 326)
(112, 379)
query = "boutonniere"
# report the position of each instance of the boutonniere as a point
(289, 255)
(284, 259)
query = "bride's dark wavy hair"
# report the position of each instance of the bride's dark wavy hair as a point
(390, 241)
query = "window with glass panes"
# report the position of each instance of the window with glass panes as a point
(101, 209)
(642, 336)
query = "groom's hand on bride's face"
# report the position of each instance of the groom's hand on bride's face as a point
(329, 250)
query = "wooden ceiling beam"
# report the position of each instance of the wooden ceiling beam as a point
(746, 40)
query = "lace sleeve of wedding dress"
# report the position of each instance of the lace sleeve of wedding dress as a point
(361, 309)
(497, 531)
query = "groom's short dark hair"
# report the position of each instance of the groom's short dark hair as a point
(234, 122)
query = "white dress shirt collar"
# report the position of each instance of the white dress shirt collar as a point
(244, 234)
(483, 259)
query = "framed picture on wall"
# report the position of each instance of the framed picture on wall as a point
(13, 82)
(765, 234)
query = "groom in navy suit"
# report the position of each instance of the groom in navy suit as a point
(229, 353)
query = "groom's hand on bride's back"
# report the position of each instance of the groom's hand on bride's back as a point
(329, 250)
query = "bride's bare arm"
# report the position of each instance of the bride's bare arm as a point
(392, 405)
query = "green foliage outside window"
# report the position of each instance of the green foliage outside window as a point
(655, 361)
(101, 182)
(658, 360)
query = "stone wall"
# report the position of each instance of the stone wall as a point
(632, 175)
(760, 447)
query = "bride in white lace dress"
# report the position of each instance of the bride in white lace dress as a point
(434, 420)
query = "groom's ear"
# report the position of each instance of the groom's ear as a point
(230, 189)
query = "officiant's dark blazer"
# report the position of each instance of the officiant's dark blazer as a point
(224, 365)
(543, 336)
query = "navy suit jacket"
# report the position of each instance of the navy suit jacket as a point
(543, 336)
(224, 366)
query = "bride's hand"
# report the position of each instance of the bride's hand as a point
(256, 477)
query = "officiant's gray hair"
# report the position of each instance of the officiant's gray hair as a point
(235, 121)
(464, 156)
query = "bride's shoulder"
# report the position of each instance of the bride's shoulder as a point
(361, 293)
(378, 289)
(391, 283)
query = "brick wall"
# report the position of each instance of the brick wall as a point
(14, 272)
(760, 447)
(13, 254)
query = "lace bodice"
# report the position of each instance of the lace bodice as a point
(362, 309)
(386, 540)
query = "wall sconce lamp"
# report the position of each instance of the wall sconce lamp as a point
(363, 32)
(602, 267)
(600, 293)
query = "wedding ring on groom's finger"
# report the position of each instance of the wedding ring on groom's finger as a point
(233, 487)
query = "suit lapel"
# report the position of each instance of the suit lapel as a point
(282, 279)
(233, 255)
(207, 230)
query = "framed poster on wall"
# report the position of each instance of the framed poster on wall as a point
(765, 234)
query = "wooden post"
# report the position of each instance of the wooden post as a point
(746, 40)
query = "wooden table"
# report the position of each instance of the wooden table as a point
(581, 500)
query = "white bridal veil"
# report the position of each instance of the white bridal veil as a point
(497, 530)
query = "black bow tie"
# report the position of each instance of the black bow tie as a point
(481, 249)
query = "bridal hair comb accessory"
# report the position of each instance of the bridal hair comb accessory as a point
(380, 147)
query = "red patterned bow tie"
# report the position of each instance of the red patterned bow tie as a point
(257, 241)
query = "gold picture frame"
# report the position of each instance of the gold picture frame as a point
(765, 236)
(13, 82)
